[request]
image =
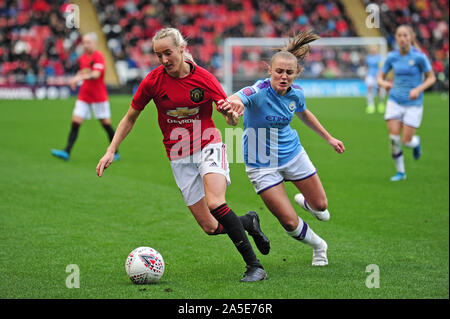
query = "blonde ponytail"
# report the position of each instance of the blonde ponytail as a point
(297, 47)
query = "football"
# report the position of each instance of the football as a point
(144, 265)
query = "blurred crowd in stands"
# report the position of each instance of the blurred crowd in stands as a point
(36, 46)
(130, 25)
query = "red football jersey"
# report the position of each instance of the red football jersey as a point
(184, 108)
(93, 90)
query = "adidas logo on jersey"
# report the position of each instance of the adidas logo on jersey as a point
(213, 164)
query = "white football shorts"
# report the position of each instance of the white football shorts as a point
(189, 171)
(370, 81)
(408, 115)
(101, 110)
(297, 169)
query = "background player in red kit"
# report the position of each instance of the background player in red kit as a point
(92, 96)
(183, 94)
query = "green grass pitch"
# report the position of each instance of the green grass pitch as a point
(55, 213)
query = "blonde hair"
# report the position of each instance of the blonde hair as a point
(92, 36)
(177, 38)
(297, 48)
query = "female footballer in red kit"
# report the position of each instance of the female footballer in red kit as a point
(183, 94)
(92, 96)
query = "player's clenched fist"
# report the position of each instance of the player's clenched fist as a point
(228, 106)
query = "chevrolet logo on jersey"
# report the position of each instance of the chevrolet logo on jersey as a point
(182, 112)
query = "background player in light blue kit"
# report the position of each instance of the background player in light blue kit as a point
(404, 107)
(373, 62)
(270, 105)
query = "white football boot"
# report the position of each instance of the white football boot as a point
(320, 255)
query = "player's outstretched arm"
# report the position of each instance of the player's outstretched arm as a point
(232, 108)
(236, 104)
(75, 79)
(313, 123)
(81, 76)
(125, 126)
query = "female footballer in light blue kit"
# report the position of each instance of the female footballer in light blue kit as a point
(404, 107)
(373, 63)
(270, 105)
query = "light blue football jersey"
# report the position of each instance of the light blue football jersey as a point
(373, 62)
(268, 139)
(408, 74)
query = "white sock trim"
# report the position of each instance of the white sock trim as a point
(305, 234)
(296, 232)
